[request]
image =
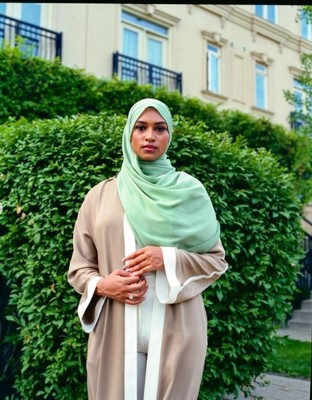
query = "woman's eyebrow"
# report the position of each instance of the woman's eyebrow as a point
(155, 123)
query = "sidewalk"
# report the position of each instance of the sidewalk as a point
(281, 387)
(296, 334)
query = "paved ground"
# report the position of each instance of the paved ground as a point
(281, 387)
(296, 334)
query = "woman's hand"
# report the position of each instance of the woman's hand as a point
(122, 286)
(147, 259)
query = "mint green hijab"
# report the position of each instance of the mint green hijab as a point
(163, 207)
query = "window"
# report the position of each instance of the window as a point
(298, 94)
(130, 43)
(261, 85)
(143, 39)
(213, 68)
(302, 103)
(306, 26)
(144, 50)
(266, 12)
(2, 8)
(146, 42)
(30, 12)
(27, 12)
(154, 52)
(296, 115)
(2, 11)
(23, 26)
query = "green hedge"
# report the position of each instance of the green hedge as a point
(34, 88)
(46, 168)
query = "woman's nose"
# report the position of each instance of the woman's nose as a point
(149, 134)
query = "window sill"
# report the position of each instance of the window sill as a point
(262, 111)
(214, 96)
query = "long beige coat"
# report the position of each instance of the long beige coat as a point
(178, 342)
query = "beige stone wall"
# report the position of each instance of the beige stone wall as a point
(91, 33)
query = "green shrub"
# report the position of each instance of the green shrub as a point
(293, 150)
(34, 88)
(46, 168)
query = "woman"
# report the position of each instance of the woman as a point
(146, 245)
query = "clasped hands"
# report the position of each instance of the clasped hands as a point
(128, 285)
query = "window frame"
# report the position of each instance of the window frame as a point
(264, 87)
(213, 55)
(298, 90)
(145, 32)
(263, 11)
(14, 10)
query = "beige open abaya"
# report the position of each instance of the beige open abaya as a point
(178, 338)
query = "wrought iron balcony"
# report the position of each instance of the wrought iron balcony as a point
(131, 69)
(38, 41)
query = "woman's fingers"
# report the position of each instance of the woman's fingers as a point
(147, 259)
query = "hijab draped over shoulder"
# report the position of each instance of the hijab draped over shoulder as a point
(163, 207)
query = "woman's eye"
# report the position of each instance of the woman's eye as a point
(161, 129)
(140, 127)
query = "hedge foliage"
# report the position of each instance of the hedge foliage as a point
(34, 88)
(46, 168)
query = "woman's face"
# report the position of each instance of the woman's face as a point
(150, 136)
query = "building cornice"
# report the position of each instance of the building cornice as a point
(258, 26)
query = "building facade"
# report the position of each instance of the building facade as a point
(237, 56)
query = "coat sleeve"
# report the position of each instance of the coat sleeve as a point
(188, 274)
(83, 273)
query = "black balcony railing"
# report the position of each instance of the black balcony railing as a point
(37, 41)
(131, 69)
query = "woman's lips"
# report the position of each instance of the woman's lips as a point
(149, 147)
